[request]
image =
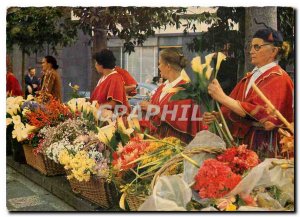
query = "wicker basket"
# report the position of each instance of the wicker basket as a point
(96, 190)
(43, 164)
(134, 202)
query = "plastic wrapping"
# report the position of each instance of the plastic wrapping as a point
(170, 193)
(202, 139)
(266, 175)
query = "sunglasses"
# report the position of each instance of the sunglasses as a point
(256, 47)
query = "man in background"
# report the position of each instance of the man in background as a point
(31, 82)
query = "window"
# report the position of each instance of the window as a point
(142, 64)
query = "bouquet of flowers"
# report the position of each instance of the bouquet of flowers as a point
(138, 161)
(198, 90)
(52, 140)
(17, 109)
(87, 156)
(217, 177)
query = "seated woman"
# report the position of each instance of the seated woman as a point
(178, 118)
(110, 89)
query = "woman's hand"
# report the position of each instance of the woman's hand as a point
(215, 91)
(144, 105)
(209, 117)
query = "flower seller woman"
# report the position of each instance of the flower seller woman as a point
(250, 121)
(180, 123)
(110, 89)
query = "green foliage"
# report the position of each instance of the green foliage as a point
(135, 24)
(286, 25)
(32, 28)
(221, 32)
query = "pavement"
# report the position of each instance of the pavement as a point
(22, 196)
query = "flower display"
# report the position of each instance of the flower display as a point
(16, 109)
(215, 179)
(123, 157)
(51, 114)
(87, 156)
(55, 139)
(239, 159)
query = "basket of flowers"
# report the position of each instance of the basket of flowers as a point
(87, 165)
(137, 162)
(47, 119)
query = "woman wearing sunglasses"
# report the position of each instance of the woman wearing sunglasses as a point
(249, 119)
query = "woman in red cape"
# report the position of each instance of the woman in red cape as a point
(249, 119)
(178, 118)
(110, 89)
(13, 87)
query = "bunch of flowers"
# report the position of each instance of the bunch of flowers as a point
(49, 114)
(239, 159)
(160, 151)
(17, 109)
(215, 179)
(124, 155)
(54, 139)
(87, 156)
(198, 89)
(147, 157)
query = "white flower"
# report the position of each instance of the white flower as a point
(196, 65)
(16, 119)
(80, 102)
(19, 132)
(12, 109)
(72, 105)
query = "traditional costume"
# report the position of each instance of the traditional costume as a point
(278, 87)
(184, 125)
(13, 87)
(128, 79)
(110, 87)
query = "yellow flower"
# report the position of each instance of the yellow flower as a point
(231, 207)
(133, 122)
(196, 65)
(8, 121)
(185, 76)
(208, 59)
(76, 87)
(208, 72)
(29, 97)
(25, 110)
(220, 58)
(29, 128)
(106, 133)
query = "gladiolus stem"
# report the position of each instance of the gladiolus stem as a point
(225, 124)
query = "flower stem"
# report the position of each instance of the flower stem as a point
(225, 125)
